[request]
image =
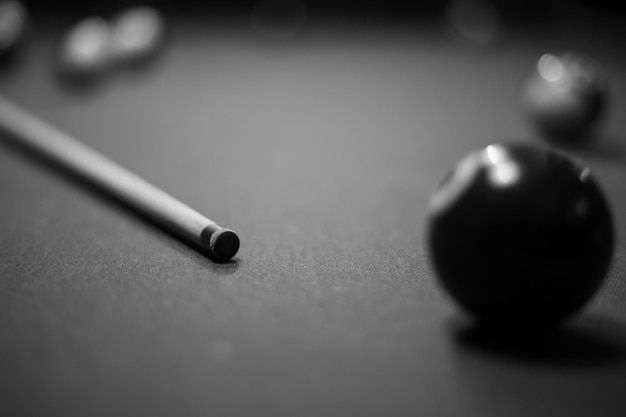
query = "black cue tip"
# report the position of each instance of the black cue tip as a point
(223, 243)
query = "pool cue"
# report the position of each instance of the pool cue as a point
(166, 211)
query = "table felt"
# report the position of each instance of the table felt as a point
(322, 152)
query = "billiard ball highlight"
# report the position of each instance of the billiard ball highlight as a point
(519, 235)
(564, 96)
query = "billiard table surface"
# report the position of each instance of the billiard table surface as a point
(322, 151)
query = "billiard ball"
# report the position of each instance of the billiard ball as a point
(564, 96)
(519, 235)
(138, 35)
(14, 28)
(84, 54)
(475, 21)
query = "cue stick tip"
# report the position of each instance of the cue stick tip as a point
(223, 243)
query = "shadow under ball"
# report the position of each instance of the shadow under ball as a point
(564, 96)
(519, 236)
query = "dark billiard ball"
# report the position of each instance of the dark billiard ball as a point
(519, 235)
(564, 96)
(84, 53)
(138, 35)
(474, 21)
(14, 28)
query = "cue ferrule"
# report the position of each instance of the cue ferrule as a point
(165, 210)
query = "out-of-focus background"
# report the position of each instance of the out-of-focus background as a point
(601, 19)
(513, 10)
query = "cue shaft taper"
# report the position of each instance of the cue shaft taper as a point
(88, 164)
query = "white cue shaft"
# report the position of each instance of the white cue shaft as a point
(133, 190)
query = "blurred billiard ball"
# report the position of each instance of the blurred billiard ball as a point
(519, 235)
(138, 35)
(564, 96)
(477, 22)
(84, 54)
(14, 28)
